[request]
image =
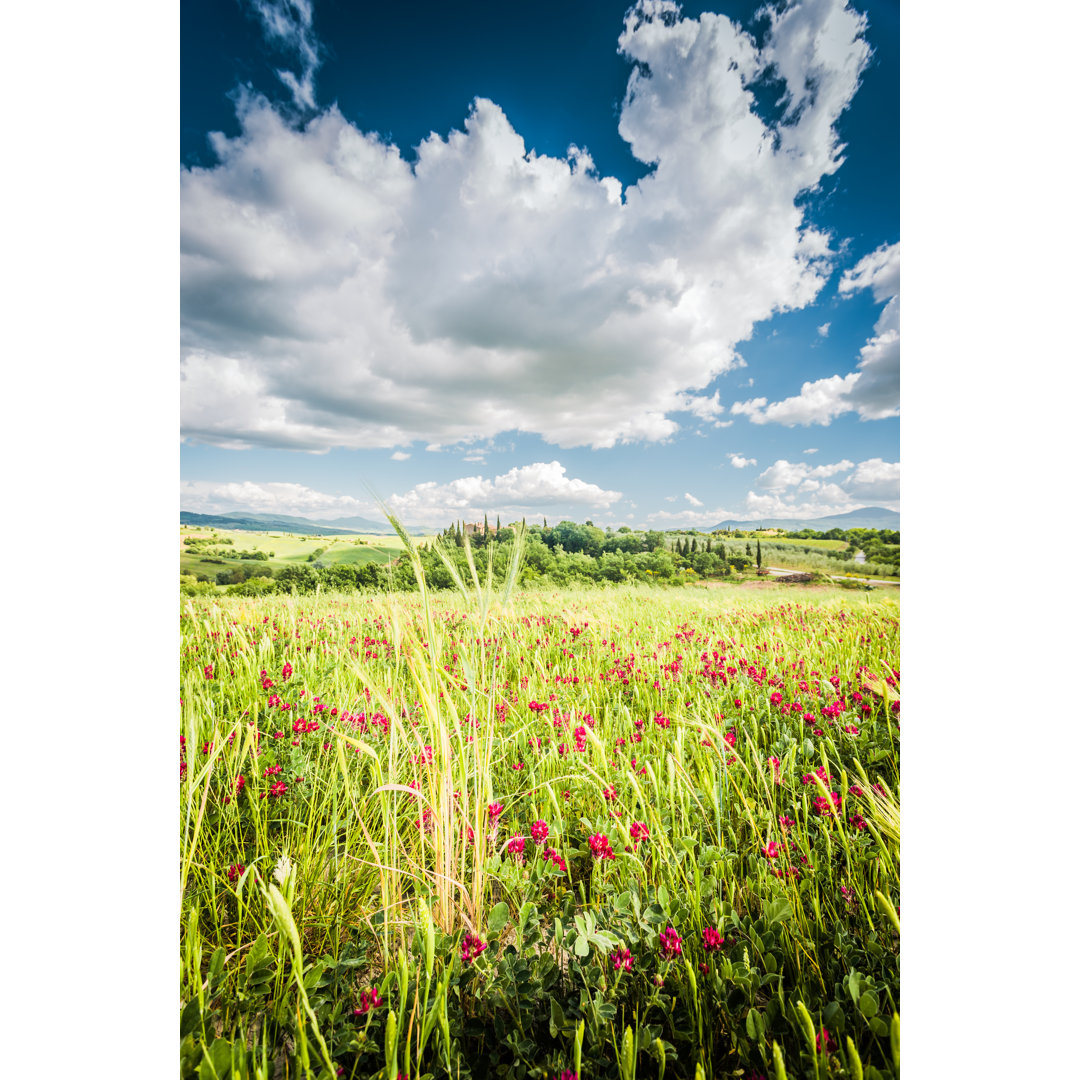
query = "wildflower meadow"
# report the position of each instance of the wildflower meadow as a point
(598, 833)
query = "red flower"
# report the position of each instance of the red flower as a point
(601, 847)
(621, 959)
(711, 939)
(539, 831)
(552, 856)
(236, 870)
(368, 1001)
(471, 948)
(670, 942)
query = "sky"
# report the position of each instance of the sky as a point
(635, 266)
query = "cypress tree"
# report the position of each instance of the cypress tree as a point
(759, 554)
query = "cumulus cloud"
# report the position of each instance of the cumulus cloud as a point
(783, 474)
(400, 455)
(878, 271)
(873, 389)
(207, 497)
(823, 329)
(334, 294)
(691, 500)
(796, 489)
(690, 519)
(875, 480)
(528, 490)
(740, 462)
(288, 24)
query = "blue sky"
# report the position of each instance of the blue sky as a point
(449, 257)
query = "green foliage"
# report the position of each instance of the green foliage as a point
(426, 702)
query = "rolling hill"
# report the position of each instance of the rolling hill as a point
(870, 517)
(250, 522)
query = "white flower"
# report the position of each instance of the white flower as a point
(283, 869)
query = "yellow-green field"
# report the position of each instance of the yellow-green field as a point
(286, 549)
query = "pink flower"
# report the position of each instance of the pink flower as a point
(552, 856)
(771, 850)
(670, 942)
(471, 948)
(729, 738)
(235, 871)
(638, 832)
(825, 1038)
(494, 810)
(601, 847)
(824, 806)
(516, 847)
(368, 1001)
(278, 789)
(539, 831)
(711, 939)
(621, 959)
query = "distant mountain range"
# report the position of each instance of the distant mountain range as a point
(248, 522)
(870, 517)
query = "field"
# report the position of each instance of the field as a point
(609, 833)
(289, 549)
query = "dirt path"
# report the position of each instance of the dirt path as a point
(781, 571)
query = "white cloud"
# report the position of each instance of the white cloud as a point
(691, 519)
(207, 497)
(784, 474)
(528, 490)
(691, 500)
(875, 480)
(812, 450)
(335, 295)
(740, 462)
(288, 23)
(827, 500)
(796, 490)
(476, 458)
(400, 455)
(873, 390)
(823, 329)
(879, 271)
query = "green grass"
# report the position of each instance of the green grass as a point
(446, 685)
(290, 549)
